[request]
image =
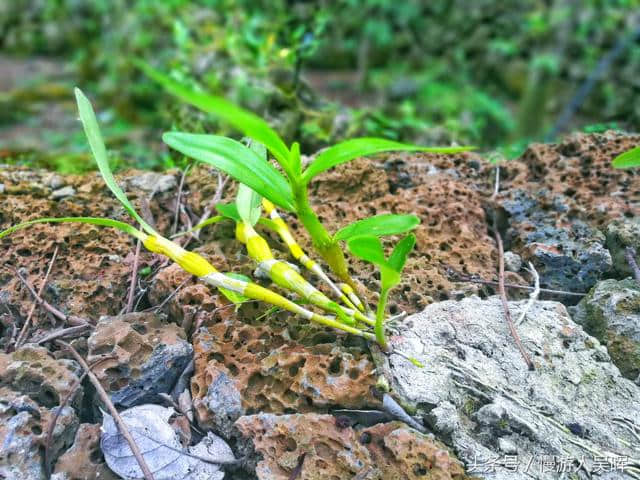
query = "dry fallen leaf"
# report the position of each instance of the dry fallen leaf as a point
(161, 448)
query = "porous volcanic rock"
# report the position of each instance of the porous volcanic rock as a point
(23, 429)
(478, 396)
(278, 365)
(84, 460)
(33, 371)
(611, 313)
(149, 355)
(330, 451)
(559, 199)
(91, 274)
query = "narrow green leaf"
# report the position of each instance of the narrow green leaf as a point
(236, 160)
(360, 147)
(379, 225)
(234, 297)
(104, 222)
(229, 210)
(92, 131)
(248, 123)
(296, 161)
(368, 248)
(249, 205)
(628, 159)
(401, 252)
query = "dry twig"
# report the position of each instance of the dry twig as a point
(27, 322)
(505, 303)
(70, 319)
(134, 279)
(533, 296)
(112, 410)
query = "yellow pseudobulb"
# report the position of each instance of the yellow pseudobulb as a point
(191, 262)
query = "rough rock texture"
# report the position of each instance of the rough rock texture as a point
(23, 427)
(84, 460)
(384, 451)
(276, 365)
(611, 313)
(479, 397)
(560, 197)
(91, 273)
(34, 372)
(621, 234)
(150, 354)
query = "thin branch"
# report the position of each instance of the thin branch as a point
(222, 182)
(533, 296)
(174, 228)
(112, 410)
(496, 188)
(70, 319)
(76, 331)
(505, 303)
(27, 322)
(630, 255)
(466, 278)
(58, 411)
(134, 278)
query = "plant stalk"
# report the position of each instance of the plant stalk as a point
(379, 328)
(324, 244)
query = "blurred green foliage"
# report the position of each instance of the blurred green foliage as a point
(490, 73)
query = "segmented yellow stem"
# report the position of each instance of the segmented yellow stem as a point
(349, 297)
(284, 275)
(199, 266)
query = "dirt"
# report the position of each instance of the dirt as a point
(254, 361)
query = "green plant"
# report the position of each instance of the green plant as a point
(369, 248)
(289, 191)
(189, 261)
(628, 159)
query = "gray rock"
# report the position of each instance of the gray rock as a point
(512, 261)
(153, 181)
(621, 234)
(611, 313)
(571, 258)
(2, 187)
(225, 403)
(55, 181)
(478, 395)
(22, 423)
(63, 193)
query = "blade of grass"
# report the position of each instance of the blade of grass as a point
(92, 130)
(103, 222)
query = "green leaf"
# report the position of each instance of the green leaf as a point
(103, 222)
(229, 210)
(360, 147)
(628, 159)
(248, 123)
(236, 160)
(236, 298)
(249, 205)
(379, 225)
(92, 131)
(401, 252)
(368, 248)
(296, 161)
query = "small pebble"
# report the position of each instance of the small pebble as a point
(512, 261)
(63, 192)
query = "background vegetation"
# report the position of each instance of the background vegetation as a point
(489, 73)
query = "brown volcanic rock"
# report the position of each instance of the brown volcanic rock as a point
(383, 451)
(32, 371)
(90, 275)
(84, 460)
(278, 365)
